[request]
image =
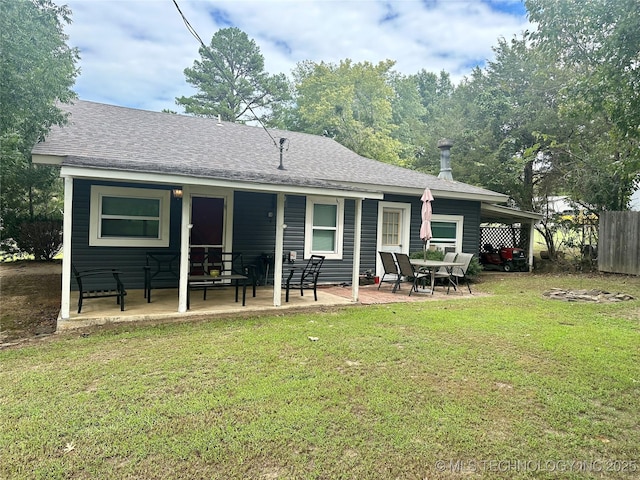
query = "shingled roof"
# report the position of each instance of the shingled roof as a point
(118, 138)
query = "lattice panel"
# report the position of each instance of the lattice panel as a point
(504, 236)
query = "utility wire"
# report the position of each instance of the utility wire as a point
(208, 53)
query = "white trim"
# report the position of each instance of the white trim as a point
(483, 196)
(405, 234)
(279, 250)
(171, 179)
(309, 228)
(185, 240)
(357, 233)
(459, 221)
(227, 227)
(67, 229)
(95, 216)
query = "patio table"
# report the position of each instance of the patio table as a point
(208, 281)
(433, 265)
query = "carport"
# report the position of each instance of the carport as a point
(507, 226)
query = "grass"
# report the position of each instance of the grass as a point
(509, 385)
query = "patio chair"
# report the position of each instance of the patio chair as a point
(443, 273)
(408, 272)
(459, 274)
(162, 269)
(390, 268)
(308, 277)
(104, 278)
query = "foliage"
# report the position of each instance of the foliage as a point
(40, 238)
(598, 41)
(231, 81)
(474, 267)
(351, 103)
(37, 69)
(428, 254)
(385, 392)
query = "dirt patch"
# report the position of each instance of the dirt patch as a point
(30, 299)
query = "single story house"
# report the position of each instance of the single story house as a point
(138, 181)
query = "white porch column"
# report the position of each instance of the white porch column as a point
(357, 231)
(277, 260)
(67, 224)
(185, 238)
(532, 231)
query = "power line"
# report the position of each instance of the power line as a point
(208, 53)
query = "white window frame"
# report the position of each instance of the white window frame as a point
(308, 228)
(459, 221)
(95, 216)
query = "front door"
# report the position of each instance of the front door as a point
(394, 222)
(207, 232)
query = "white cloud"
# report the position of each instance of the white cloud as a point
(134, 52)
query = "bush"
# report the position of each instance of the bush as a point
(474, 267)
(431, 255)
(40, 238)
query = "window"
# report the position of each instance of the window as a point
(447, 232)
(129, 217)
(391, 228)
(323, 227)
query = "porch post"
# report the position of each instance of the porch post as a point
(357, 231)
(66, 248)
(277, 261)
(185, 238)
(531, 233)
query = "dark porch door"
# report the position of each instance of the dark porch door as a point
(207, 233)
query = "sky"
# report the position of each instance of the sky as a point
(133, 52)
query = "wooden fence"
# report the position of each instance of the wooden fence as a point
(619, 242)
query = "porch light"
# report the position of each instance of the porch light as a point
(177, 193)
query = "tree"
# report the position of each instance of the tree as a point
(599, 40)
(37, 69)
(351, 103)
(231, 81)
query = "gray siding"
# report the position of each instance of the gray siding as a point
(469, 209)
(129, 260)
(253, 229)
(254, 233)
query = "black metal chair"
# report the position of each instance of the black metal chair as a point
(390, 268)
(163, 269)
(103, 278)
(308, 278)
(408, 272)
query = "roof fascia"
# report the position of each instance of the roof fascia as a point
(507, 212)
(411, 191)
(47, 159)
(164, 179)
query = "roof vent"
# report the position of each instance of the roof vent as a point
(281, 148)
(445, 159)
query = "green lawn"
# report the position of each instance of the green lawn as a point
(508, 385)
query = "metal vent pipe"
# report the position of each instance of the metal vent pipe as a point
(445, 159)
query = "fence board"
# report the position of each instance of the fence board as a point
(619, 242)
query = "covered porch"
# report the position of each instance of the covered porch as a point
(220, 302)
